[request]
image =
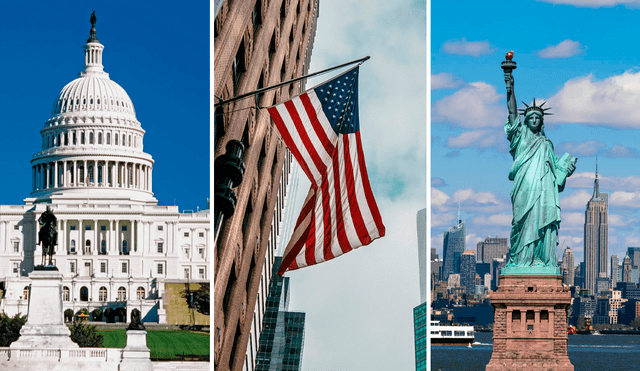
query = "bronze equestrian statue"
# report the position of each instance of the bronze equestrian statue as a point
(48, 235)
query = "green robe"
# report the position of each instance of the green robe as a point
(536, 205)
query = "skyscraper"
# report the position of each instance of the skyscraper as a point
(568, 267)
(282, 336)
(626, 269)
(452, 249)
(615, 262)
(596, 235)
(492, 248)
(468, 271)
(257, 44)
(420, 328)
(421, 224)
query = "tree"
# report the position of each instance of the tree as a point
(109, 314)
(635, 323)
(68, 315)
(198, 299)
(85, 335)
(97, 314)
(10, 328)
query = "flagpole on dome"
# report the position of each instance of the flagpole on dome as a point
(259, 91)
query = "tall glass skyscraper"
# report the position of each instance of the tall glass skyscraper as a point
(420, 335)
(282, 336)
(452, 249)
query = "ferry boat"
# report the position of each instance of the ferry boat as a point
(450, 334)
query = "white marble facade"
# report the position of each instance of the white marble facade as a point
(116, 246)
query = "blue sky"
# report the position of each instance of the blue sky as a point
(581, 57)
(157, 51)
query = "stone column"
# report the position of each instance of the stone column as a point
(55, 175)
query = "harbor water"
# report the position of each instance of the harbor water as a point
(586, 352)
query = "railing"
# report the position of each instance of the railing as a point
(95, 354)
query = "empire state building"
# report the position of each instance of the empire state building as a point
(596, 236)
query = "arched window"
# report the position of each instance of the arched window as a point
(84, 293)
(129, 140)
(87, 247)
(102, 294)
(122, 294)
(90, 174)
(124, 139)
(65, 293)
(73, 246)
(115, 138)
(140, 293)
(99, 138)
(91, 138)
(125, 250)
(103, 247)
(82, 138)
(108, 138)
(25, 293)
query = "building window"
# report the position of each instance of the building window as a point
(186, 273)
(124, 267)
(15, 267)
(25, 293)
(102, 294)
(65, 293)
(186, 251)
(82, 138)
(103, 267)
(201, 273)
(108, 138)
(186, 234)
(84, 293)
(201, 252)
(124, 228)
(201, 234)
(99, 138)
(87, 247)
(125, 250)
(115, 139)
(72, 227)
(160, 247)
(73, 246)
(16, 227)
(72, 267)
(103, 247)
(160, 268)
(87, 269)
(91, 138)
(16, 246)
(87, 227)
(160, 227)
(103, 227)
(122, 294)
(140, 293)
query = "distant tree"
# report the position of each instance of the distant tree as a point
(636, 323)
(110, 316)
(85, 335)
(581, 322)
(97, 314)
(10, 328)
(68, 315)
(198, 299)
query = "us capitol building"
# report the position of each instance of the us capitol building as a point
(117, 248)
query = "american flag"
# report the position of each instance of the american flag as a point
(321, 128)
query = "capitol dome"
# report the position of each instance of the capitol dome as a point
(93, 143)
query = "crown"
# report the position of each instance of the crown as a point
(533, 107)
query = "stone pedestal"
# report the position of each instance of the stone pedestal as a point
(530, 324)
(45, 328)
(135, 356)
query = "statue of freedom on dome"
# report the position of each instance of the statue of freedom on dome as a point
(538, 176)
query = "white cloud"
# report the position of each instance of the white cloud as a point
(613, 101)
(480, 139)
(464, 47)
(471, 241)
(585, 148)
(619, 151)
(595, 3)
(572, 221)
(438, 198)
(498, 220)
(444, 80)
(442, 220)
(619, 220)
(470, 200)
(565, 49)
(576, 200)
(476, 105)
(624, 199)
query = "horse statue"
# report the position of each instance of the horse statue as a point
(48, 235)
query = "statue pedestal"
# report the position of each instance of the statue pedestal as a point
(45, 328)
(530, 324)
(135, 356)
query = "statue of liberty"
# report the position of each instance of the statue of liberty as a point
(538, 176)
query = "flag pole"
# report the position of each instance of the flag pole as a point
(259, 91)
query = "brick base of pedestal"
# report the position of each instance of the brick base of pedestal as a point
(530, 324)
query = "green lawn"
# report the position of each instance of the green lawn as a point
(163, 344)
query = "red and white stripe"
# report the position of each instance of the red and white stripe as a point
(339, 213)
